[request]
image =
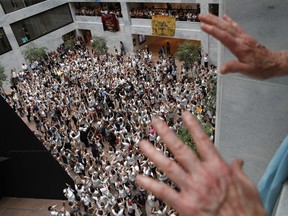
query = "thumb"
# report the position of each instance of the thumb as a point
(237, 169)
(237, 164)
(234, 67)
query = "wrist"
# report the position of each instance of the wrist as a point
(281, 58)
(259, 210)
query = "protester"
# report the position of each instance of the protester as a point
(210, 186)
(91, 111)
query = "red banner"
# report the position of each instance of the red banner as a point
(110, 22)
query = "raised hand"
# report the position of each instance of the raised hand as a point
(208, 186)
(253, 59)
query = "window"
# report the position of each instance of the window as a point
(4, 43)
(141, 38)
(214, 9)
(41, 24)
(31, 2)
(13, 5)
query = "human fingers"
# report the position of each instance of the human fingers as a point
(161, 190)
(224, 24)
(185, 203)
(170, 167)
(246, 190)
(237, 164)
(246, 69)
(227, 39)
(235, 26)
(184, 156)
(234, 66)
(236, 167)
(206, 17)
(202, 142)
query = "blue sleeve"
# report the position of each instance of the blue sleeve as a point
(274, 177)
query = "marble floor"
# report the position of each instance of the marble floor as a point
(12, 206)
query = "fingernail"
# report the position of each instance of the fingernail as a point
(142, 144)
(241, 163)
(185, 114)
(141, 179)
(223, 70)
(155, 119)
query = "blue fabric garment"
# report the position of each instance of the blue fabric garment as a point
(274, 177)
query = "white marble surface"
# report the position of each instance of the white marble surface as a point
(252, 115)
(253, 121)
(282, 207)
(2, 13)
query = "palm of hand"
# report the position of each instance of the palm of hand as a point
(253, 59)
(207, 187)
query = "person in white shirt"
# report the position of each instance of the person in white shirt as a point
(53, 211)
(69, 194)
(85, 198)
(117, 211)
(206, 60)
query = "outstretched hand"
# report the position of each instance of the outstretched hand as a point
(254, 59)
(208, 186)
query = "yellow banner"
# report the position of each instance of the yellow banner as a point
(163, 25)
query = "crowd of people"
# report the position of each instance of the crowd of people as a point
(91, 112)
(180, 14)
(99, 10)
(209, 185)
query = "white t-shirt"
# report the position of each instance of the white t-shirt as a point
(54, 213)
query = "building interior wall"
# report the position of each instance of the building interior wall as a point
(252, 115)
(127, 29)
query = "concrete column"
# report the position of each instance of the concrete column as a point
(125, 13)
(1, 11)
(72, 9)
(252, 115)
(128, 41)
(13, 57)
(17, 57)
(204, 7)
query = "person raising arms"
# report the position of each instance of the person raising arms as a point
(210, 186)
